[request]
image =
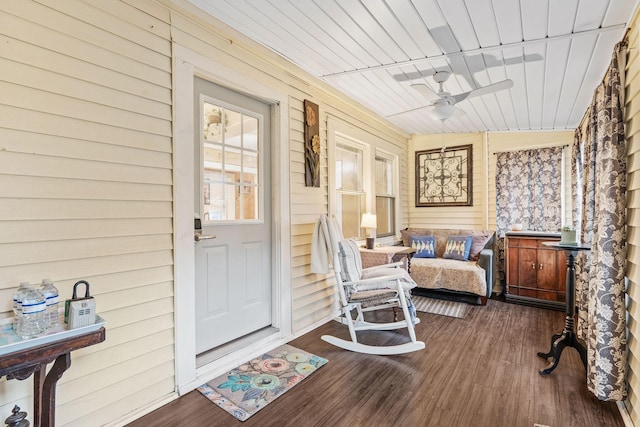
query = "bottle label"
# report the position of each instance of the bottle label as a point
(52, 300)
(33, 308)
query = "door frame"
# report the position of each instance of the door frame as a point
(186, 65)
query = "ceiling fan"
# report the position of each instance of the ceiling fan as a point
(442, 104)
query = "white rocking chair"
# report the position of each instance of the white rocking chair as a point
(363, 290)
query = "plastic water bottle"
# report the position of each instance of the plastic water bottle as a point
(50, 293)
(32, 323)
(17, 305)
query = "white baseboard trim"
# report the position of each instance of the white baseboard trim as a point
(625, 414)
(131, 417)
(313, 326)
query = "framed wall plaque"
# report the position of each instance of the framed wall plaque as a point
(444, 178)
(311, 144)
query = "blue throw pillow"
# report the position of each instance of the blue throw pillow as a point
(458, 247)
(425, 246)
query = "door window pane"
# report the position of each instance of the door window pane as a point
(250, 132)
(231, 164)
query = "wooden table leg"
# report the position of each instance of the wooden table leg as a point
(568, 336)
(38, 383)
(21, 364)
(62, 363)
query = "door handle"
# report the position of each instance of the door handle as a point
(197, 237)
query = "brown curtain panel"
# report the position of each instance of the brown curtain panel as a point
(599, 174)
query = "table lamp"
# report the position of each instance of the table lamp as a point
(369, 221)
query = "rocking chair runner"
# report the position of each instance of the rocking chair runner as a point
(361, 290)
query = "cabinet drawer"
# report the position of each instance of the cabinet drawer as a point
(529, 242)
(521, 243)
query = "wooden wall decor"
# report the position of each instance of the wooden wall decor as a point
(311, 144)
(444, 178)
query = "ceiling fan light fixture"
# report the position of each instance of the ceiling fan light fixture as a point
(442, 111)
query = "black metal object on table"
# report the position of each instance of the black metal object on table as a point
(568, 337)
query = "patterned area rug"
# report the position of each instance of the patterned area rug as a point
(253, 385)
(442, 307)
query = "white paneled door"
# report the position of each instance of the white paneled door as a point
(232, 177)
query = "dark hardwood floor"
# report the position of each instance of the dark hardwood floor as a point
(478, 371)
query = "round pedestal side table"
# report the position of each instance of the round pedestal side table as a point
(568, 337)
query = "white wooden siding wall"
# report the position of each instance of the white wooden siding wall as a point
(632, 130)
(462, 217)
(86, 180)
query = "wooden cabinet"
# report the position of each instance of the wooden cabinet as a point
(535, 271)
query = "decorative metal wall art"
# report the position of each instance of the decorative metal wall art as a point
(444, 178)
(311, 145)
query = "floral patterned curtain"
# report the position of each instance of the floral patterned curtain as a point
(528, 192)
(598, 175)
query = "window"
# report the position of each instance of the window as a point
(230, 163)
(362, 178)
(385, 196)
(350, 194)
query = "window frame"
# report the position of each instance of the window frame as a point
(344, 132)
(345, 140)
(395, 190)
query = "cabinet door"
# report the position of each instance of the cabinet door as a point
(547, 274)
(528, 267)
(512, 266)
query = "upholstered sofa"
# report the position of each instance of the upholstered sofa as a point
(470, 280)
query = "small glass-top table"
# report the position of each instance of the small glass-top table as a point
(568, 337)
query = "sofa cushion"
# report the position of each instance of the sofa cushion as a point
(424, 246)
(478, 242)
(409, 232)
(458, 247)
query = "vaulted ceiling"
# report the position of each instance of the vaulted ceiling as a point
(381, 53)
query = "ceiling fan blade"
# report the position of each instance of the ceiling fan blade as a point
(459, 113)
(505, 84)
(426, 91)
(408, 111)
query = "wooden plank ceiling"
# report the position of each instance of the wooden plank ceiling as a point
(554, 51)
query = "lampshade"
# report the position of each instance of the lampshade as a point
(369, 221)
